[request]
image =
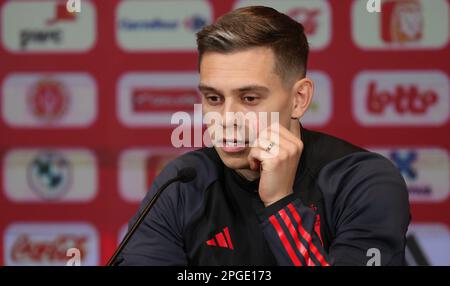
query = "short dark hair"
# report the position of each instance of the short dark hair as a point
(259, 26)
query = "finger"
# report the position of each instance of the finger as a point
(279, 135)
(266, 145)
(286, 134)
(254, 159)
(270, 134)
(258, 159)
(255, 165)
(284, 148)
(267, 160)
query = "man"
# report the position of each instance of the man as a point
(304, 199)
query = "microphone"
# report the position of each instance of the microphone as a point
(184, 175)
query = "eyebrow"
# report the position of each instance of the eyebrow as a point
(243, 89)
(204, 88)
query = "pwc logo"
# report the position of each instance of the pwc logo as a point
(47, 26)
(46, 244)
(402, 24)
(51, 175)
(160, 25)
(139, 167)
(315, 16)
(425, 171)
(320, 110)
(150, 99)
(57, 100)
(401, 98)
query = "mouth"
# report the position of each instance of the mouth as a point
(234, 145)
(234, 142)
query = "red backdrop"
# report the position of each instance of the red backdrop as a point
(85, 99)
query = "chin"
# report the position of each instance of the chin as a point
(234, 160)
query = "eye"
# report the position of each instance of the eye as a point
(250, 99)
(213, 99)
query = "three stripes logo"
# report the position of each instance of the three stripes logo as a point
(300, 245)
(222, 239)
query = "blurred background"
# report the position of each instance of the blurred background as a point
(86, 100)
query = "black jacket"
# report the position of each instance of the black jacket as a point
(346, 202)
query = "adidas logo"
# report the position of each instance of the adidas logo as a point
(222, 239)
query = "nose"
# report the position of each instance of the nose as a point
(231, 107)
(233, 120)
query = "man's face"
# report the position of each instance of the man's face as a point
(243, 81)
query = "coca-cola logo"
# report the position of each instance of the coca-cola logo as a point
(26, 248)
(404, 99)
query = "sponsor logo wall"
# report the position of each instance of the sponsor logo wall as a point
(86, 101)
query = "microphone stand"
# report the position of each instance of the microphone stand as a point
(113, 260)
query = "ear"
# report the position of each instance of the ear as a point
(302, 91)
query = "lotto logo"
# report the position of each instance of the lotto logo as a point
(401, 98)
